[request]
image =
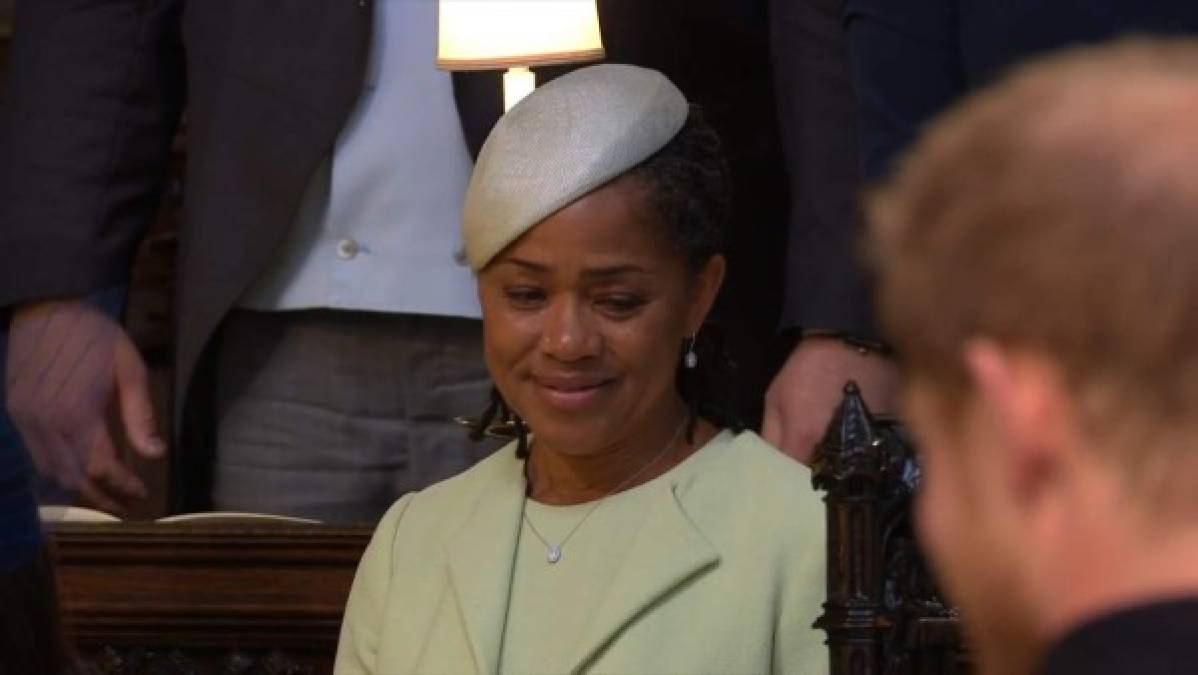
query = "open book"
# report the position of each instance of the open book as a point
(80, 514)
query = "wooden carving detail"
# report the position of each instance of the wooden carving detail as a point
(171, 661)
(274, 663)
(883, 615)
(116, 661)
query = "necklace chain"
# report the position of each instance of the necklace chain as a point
(554, 551)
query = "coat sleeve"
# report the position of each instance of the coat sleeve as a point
(357, 649)
(800, 648)
(94, 94)
(826, 284)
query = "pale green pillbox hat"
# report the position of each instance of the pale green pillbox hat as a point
(564, 140)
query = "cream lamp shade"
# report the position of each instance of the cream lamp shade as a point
(516, 34)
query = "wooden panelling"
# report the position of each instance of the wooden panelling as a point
(182, 598)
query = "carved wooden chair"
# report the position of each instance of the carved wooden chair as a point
(883, 614)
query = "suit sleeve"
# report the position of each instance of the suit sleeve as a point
(826, 283)
(358, 647)
(94, 95)
(906, 67)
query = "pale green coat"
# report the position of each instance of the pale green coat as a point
(726, 575)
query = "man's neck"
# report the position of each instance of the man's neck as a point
(1147, 566)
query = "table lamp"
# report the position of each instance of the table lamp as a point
(516, 34)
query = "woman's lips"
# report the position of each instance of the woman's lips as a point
(571, 392)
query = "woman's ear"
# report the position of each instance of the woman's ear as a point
(706, 287)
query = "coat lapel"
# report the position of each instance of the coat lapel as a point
(481, 555)
(667, 551)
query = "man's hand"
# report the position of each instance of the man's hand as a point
(805, 393)
(78, 392)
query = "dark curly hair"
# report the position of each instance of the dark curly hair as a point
(688, 190)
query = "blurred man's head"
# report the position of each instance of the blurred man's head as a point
(1038, 270)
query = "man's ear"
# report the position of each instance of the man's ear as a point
(706, 287)
(1026, 402)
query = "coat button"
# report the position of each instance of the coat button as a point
(347, 248)
(363, 3)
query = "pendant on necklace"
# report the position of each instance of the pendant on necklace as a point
(554, 554)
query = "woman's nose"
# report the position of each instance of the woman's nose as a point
(569, 334)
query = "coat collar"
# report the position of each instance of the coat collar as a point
(668, 550)
(481, 555)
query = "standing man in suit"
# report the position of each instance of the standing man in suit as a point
(892, 66)
(324, 335)
(1036, 254)
(827, 316)
(322, 324)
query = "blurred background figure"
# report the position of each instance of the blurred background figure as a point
(31, 638)
(910, 61)
(323, 333)
(857, 79)
(30, 625)
(1037, 274)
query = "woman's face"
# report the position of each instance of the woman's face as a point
(583, 320)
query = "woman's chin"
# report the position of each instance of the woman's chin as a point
(574, 434)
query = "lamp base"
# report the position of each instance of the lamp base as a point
(517, 83)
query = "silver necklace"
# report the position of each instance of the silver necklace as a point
(553, 552)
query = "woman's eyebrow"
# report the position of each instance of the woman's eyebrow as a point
(525, 264)
(605, 272)
(613, 271)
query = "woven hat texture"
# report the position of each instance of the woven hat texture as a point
(564, 140)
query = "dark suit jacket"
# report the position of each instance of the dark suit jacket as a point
(96, 93)
(908, 61)
(913, 59)
(1158, 639)
(827, 286)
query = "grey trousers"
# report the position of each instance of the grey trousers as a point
(333, 415)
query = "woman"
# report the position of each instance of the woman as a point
(626, 530)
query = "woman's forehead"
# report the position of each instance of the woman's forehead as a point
(604, 230)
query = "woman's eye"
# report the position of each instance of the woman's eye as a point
(524, 297)
(620, 305)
